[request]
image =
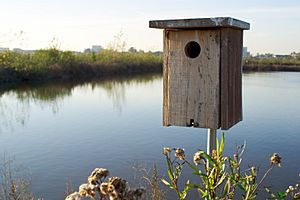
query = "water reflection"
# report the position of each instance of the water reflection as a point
(16, 101)
(89, 131)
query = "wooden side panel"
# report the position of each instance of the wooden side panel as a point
(231, 77)
(166, 80)
(191, 85)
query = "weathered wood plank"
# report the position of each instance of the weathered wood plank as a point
(231, 77)
(191, 85)
(224, 68)
(166, 49)
(197, 23)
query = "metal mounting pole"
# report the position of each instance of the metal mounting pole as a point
(211, 140)
(211, 144)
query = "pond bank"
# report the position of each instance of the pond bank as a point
(53, 64)
(270, 68)
(82, 71)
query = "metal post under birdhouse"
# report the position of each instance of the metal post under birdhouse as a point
(202, 74)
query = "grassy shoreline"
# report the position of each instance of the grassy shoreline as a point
(270, 68)
(53, 64)
(290, 63)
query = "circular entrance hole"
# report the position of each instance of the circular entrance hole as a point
(192, 49)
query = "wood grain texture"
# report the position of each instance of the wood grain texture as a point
(191, 86)
(166, 49)
(231, 77)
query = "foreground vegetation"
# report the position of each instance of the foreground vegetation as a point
(52, 63)
(218, 177)
(269, 62)
(221, 177)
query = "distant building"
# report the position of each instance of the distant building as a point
(18, 50)
(88, 50)
(264, 56)
(132, 50)
(76, 52)
(246, 53)
(158, 53)
(3, 49)
(96, 48)
(282, 56)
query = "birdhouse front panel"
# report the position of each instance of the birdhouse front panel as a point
(202, 74)
(192, 78)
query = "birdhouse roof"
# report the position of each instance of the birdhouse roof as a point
(200, 23)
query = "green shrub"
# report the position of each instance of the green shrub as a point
(220, 176)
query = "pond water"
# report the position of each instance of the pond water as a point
(62, 131)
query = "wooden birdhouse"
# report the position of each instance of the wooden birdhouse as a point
(202, 74)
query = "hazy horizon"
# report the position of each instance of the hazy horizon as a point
(77, 25)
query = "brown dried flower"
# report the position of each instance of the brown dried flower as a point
(118, 183)
(134, 194)
(236, 157)
(83, 189)
(114, 196)
(179, 153)
(275, 159)
(167, 150)
(104, 188)
(87, 190)
(73, 196)
(197, 157)
(97, 175)
(214, 154)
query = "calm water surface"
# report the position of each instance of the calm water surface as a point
(61, 132)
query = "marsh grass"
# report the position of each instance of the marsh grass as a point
(270, 63)
(149, 178)
(52, 63)
(14, 184)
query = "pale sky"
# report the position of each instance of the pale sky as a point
(79, 24)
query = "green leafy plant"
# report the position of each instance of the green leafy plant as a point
(292, 192)
(220, 176)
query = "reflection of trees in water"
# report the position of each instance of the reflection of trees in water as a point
(17, 102)
(116, 88)
(12, 112)
(116, 92)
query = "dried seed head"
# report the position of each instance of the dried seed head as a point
(113, 196)
(179, 153)
(73, 196)
(197, 157)
(214, 154)
(83, 189)
(296, 195)
(275, 159)
(167, 150)
(253, 171)
(110, 188)
(87, 190)
(134, 194)
(118, 183)
(97, 175)
(104, 188)
(235, 157)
